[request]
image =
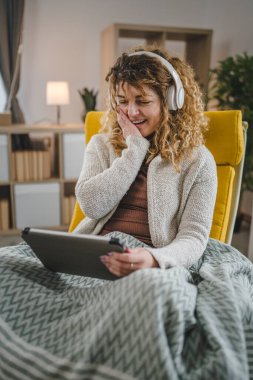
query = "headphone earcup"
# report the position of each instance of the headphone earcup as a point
(172, 98)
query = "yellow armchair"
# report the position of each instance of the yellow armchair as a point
(226, 139)
(91, 127)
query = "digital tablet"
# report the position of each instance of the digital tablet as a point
(72, 253)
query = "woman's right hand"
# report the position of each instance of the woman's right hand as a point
(128, 128)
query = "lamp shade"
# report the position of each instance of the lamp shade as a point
(57, 93)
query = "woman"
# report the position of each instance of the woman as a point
(149, 175)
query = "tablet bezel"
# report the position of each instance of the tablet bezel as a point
(71, 253)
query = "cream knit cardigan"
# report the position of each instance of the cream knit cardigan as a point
(180, 205)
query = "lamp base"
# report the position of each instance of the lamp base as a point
(58, 114)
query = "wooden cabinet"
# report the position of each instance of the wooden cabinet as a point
(39, 167)
(197, 46)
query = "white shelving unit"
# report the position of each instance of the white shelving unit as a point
(37, 183)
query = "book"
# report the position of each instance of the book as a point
(46, 164)
(68, 208)
(40, 164)
(31, 158)
(27, 174)
(35, 174)
(4, 214)
(19, 163)
(30, 163)
(65, 211)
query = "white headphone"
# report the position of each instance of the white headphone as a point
(176, 91)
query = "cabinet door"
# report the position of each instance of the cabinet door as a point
(73, 151)
(37, 205)
(4, 162)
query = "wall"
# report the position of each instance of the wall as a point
(62, 40)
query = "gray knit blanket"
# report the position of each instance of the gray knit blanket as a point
(153, 324)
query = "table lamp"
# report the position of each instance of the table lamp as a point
(58, 95)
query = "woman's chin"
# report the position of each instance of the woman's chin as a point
(145, 133)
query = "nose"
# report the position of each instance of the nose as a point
(132, 110)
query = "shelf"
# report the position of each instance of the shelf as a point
(21, 128)
(31, 181)
(17, 231)
(36, 199)
(197, 46)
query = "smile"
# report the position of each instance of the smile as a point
(138, 122)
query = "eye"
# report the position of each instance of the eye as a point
(144, 102)
(121, 101)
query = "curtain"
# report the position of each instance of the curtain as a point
(11, 24)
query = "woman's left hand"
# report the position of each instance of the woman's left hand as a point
(122, 264)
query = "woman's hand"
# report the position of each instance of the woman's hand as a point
(122, 264)
(128, 128)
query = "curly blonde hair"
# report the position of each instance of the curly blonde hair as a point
(180, 131)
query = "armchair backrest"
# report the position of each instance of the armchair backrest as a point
(226, 139)
(91, 127)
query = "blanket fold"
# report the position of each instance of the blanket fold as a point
(153, 324)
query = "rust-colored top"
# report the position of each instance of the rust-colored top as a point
(131, 215)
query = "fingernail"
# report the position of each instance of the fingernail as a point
(110, 254)
(103, 258)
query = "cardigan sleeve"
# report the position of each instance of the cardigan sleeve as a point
(100, 187)
(194, 226)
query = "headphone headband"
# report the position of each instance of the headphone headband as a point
(177, 99)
